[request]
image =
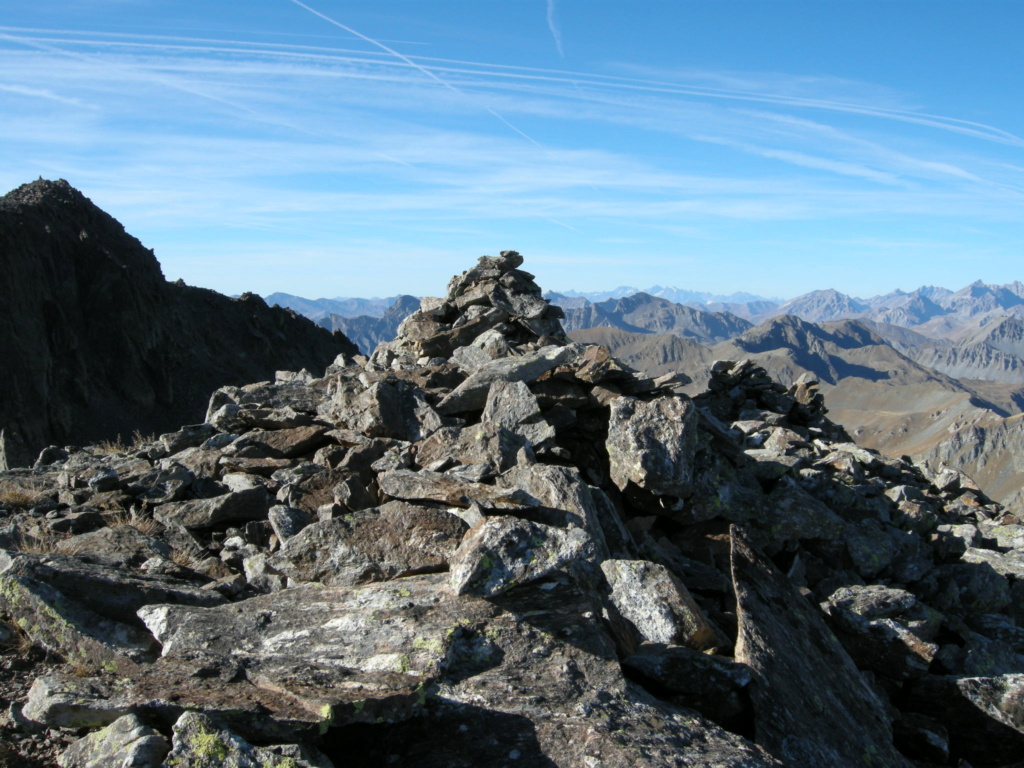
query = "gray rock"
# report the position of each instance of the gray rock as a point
(881, 645)
(234, 507)
(434, 486)
(394, 408)
(982, 714)
(287, 443)
(288, 521)
(471, 395)
(503, 552)
(125, 743)
(187, 437)
(652, 444)
(64, 701)
(792, 654)
(199, 742)
(117, 546)
(87, 611)
(659, 605)
(1005, 563)
(396, 540)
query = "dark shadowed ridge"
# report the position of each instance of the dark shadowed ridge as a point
(96, 343)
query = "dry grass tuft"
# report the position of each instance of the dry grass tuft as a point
(42, 542)
(120, 446)
(14, 495)
(181, 557)
(146, 525)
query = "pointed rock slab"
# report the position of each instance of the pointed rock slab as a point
(398, 539)
(659, 605)
(471, 395)
(812, 706)
(503, 552)
(652, 444)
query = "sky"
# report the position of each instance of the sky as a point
(369, 148)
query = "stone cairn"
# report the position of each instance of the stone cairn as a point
(487, 545)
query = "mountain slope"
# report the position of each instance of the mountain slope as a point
(643, 313)
(365, 331)
(96, 343)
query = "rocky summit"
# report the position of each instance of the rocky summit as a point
(488, 546)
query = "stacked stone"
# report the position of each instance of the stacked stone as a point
(502, 530)
(493, 307)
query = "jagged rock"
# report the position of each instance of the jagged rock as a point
(1005, 563)
(793, 514)
(288, 521)
(64, 701)
(811, 704)
(394, 408)
(496, 447)
(238, 506)
(118, 546)
(398, 539)
(510, 404)
(503, 552)
(125, 743)
(286, 443)
(659, 605)
(652, 444)
(471, 395)
(435, 486)
(881, 645)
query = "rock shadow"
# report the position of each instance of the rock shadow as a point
(449, 735)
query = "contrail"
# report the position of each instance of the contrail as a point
(412, 64)
(553, 26)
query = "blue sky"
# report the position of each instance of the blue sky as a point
(330, 148)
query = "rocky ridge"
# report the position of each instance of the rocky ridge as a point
(486, 545)
(96, 344)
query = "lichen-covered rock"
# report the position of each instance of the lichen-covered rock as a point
(125, 743)
(199, 742)
(395, 540)
(659, 605)
(503, 552)
(652, 444)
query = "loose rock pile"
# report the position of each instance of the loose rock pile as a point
(488, 546)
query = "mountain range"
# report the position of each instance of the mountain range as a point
(937, 374)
